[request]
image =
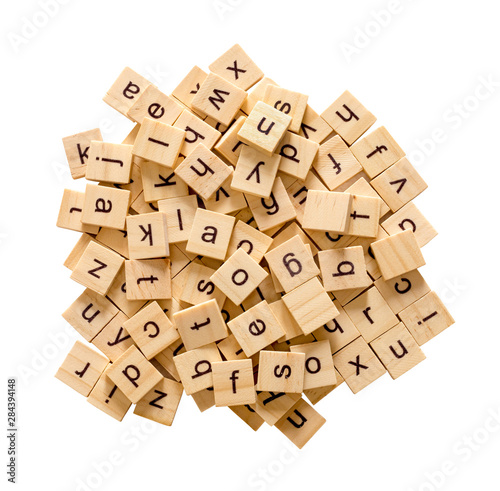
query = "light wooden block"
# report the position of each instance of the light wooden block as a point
(135, 184)
(195, 368)
(327, 211)
(361, 187)
(318, 364)
(161, 402)
(189, 86)
(125, 90)
(285, 319)
(199, 287)
(148, 279)
(107, 397)
(358, 365)
(426, 318)
(204, 399)
(226, 200)
(197, 131)
(114, 239)
(233, 383)
(151, 330)
(158, 142)
(256, 94)
(166, 358)
(105, 206)
(297, 155)
(256, 328)
(348, 117)
(179, 213)
(203, 171)
(77, 251)
(410, 218)
(292, 263)
(156, 105)
(364, 216)
(70, 213)
(97, 268)
(210, 234)
(397, 350)
(77, 148)
(329, 240)
(114, 339)
(397, 254)
(134, 375)
(117, 293)
(218, 99)
(229, 146)
(255, 172)
(298, 191)
(288, 102)
(250, 240)
(300, 423)
(230, 348)
(109, 162)
(402, 291)
(200, 325)
(147, 236)
(288, 233)
(399, 184)
(139, 206)
(343, 269)
(248, 415)
(314, 127)
(273, 211)
(237, 67)
(264, 128)
(281, 372)
(310, 305)
(377, 151)
(318, 394)
(160, 182)
(271, 406)
(81, 368)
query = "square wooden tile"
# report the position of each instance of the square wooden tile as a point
(154, 104)
(327, 211)
(77, 150)
(70, 213)
(288, 102)
(109, 162)
(114, 339)
(105, 206)
(297, 155)
(148, 279)
(318, 364)
(147, 236)
(233, 383)
(280, 371)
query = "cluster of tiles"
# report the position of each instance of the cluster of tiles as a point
(242, 248)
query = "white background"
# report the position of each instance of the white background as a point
(417, 70)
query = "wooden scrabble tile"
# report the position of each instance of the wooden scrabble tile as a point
(160, 182)
(77, 251)
(148, 279)
(70, 213)
(377, 151)
(256, 328)
(109, 162)
(343, 269)
(81, 368)
(371, 314)
(292, 264)
(97, 268)
(310, 305)
(255, 172)
(237, 67)
(399, 184)
(166, 358)
(107, 397)
(297, 155)
(230, 348)
(114, 339)
(200, 325)
(233, 383)
(226, 200)
(117, 293)
(134, 375)
(297, 192)
(256, 94)
(114, 239)
(288, 102)
(288, 233)
(327, 211)
(300, 423)
(139, 206)
(210, 234)
(253, 242)
(326, 240)
(179, 213)
(362, 188)
(364, 216)
(156, 105)
(218, 98)
(125, 90)
(203, 171)
(358, 365)
(248, 415)
(197, 131)
(402, 291)
(335, 163)
(339, 332)
(229, 146)
(147, 236)
(204, 399)
(158, 142)
(264, 128)
(189, 86)
(397, 350)
(273, 211)
(348, 117)
(426, 318)
(89, 313)
(161, 402)
(397, 254)
(271, 406)
(105, 206)
(365, 242)
(77, 151)
(314, 127)
(151, 330)
(318, 394)
(195, 368)
(410, 218)
(280, 371)
(318, 364)
(199, 287)
(285, 319)
(135, 184)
